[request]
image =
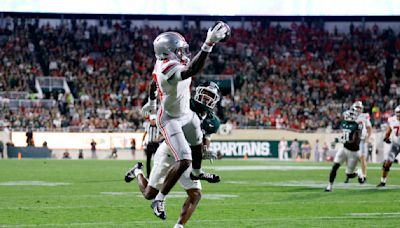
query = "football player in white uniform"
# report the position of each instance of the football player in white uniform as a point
(202, 104)
(180, 126)
(364, 119)
(391, 137)
(350, 151)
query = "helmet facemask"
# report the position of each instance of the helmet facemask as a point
(207, 96)
(183, 54)
(350, 115)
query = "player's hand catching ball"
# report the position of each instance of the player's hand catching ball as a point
(220, 32)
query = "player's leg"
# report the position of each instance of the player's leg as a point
(385, 172)
(149, 188)
(194, 137)
(363, 159)
(175, 139)
(394, 151)
(352, 159)
(339, 159)
(193, 189)
(148, 160)
(137, 172)
(194, 196)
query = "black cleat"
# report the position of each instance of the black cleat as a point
(211, 178)
(158, 209)
(381, 185)
(347, 180)
(362, 180)
(130, 175)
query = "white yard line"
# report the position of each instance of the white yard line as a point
(138, 222)
(373, 214)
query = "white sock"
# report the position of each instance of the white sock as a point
(329, 186)
(383, 179)
(160, 196)
(136, 172)
(196, 172)
(178, 226)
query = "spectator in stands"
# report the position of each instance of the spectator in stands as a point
(301, 83)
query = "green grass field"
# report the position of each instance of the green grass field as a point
(253, 193)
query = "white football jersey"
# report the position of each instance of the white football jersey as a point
(173, 91)
(394, 124)
(364, 119)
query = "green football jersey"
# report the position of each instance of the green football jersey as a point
(210, 124)
(348, 130)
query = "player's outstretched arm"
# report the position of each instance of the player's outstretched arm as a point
(214, 35)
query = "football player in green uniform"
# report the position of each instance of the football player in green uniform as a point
(202, 104)
(351, 136)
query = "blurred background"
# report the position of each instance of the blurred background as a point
(77, 72)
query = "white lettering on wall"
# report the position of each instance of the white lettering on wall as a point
(239, 149)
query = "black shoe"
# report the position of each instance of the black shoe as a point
(362, 180)
(158, 209)
(347, 180)
(327, 189)
(130, 175)
(381, 185)
(211, 178)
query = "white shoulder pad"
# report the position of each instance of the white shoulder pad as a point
(169, 68)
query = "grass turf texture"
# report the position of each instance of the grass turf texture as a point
(93, 194)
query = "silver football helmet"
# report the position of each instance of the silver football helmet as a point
(207, 94)
(171, 46)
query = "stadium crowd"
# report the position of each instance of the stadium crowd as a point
(302, 77)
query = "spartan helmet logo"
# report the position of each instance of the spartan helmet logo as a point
(171, 46)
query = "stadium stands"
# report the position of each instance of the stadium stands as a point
(299, 78)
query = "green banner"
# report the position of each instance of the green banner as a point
(253, 148)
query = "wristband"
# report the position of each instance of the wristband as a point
(207, 47)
